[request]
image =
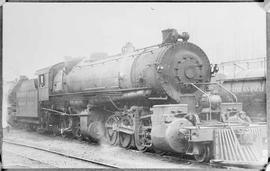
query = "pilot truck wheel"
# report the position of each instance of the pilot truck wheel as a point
(204, 153)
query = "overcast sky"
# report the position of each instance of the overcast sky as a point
(40, 35)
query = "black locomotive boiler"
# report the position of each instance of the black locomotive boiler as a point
(159, 97)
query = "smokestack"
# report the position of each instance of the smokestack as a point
(171, 36)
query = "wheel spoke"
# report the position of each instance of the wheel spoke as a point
(111, 134)
(108, 126)
(125, 139)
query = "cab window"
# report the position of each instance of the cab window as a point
(41, 80)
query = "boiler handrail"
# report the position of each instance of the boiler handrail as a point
(208, 97)
(234, 96)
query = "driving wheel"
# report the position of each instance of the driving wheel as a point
(125, 140)
(140, 138)
(111, 130)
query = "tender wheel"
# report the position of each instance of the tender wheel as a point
(55, 131)
(35, 127)
(112, 134)
(204, 153)
(32, 127)
(125, 139)
(26, 127)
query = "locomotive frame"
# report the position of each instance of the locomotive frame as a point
(155, 98)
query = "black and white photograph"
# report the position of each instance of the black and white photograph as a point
(134, 85)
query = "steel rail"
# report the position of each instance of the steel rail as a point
(175, 158)
(62, 154)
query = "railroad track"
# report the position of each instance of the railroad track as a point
(186, 159)
(62, 154)
(167, 157)
(172, 158)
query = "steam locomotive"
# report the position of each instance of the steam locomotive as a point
(159, 97)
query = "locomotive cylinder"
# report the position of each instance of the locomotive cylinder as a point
(167, 128)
